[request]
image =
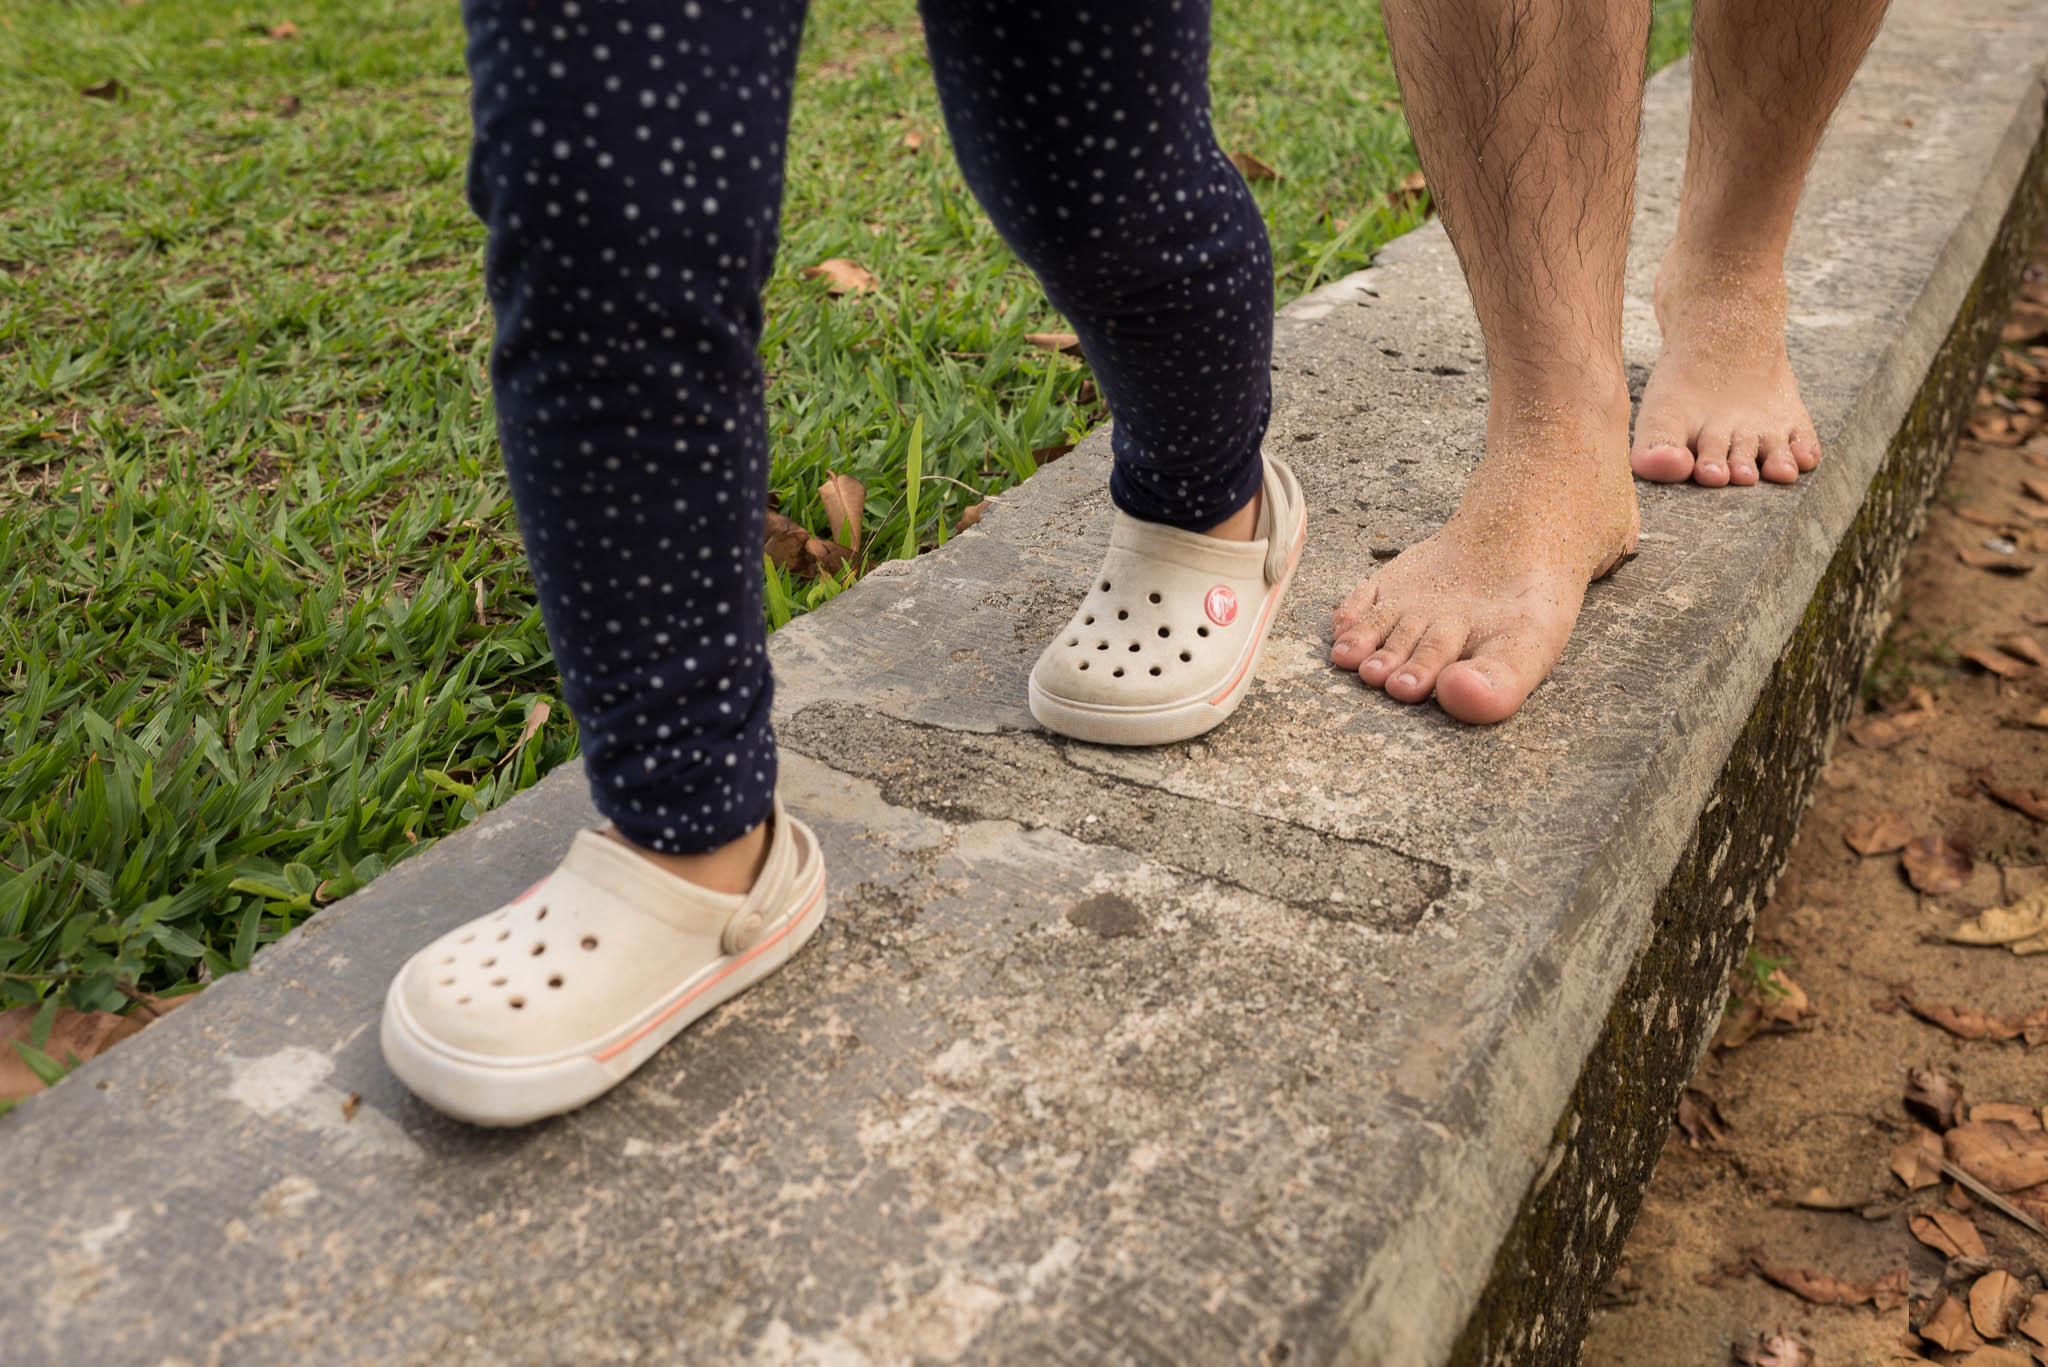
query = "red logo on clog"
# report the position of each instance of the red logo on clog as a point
(1221, 605)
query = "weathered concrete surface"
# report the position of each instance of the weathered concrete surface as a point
(1343, 1035)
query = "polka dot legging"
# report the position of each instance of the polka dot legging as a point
(628, 162)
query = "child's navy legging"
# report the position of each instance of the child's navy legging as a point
(628, 162)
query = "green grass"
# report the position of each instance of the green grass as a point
(264, 625)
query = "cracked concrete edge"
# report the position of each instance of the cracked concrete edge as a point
(1567, 1231)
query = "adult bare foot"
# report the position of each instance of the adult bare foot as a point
(1479, 613)
(1722, 406)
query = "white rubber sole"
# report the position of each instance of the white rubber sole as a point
(1184, 718)
(501, 1092)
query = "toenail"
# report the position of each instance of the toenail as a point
(1405, 680)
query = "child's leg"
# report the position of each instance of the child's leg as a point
(628, 163)
(1085, 133)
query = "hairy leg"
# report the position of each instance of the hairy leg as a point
(1525, 113)
(1722, 406)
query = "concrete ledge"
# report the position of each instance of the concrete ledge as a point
(1343, 1035)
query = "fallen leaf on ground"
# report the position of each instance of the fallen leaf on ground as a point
(1046, 455)
(972, 516)
(1777, 1007)
(109, 89)
(1948, 1233)
(2039, 720)
(73, 1034)
(845, 499)
(283, 32)
(1949, 1327)
(2031, 801)
(1880, 730)
(1701, 1119)
(1413, 190)
(2024, 647)
(2036, 489)
(1992, 560)
(1917, 1161)
(840, 276)
(2034, 1323)
(2001, 1157)
(1996, 1299)
(2022, 920)
(1967, 1022)
(1822, 1198)
(1054, 341)
(1881, 833)
(2005, 1113)
(1933, 1097)
(791, 546)
(1936, 864)
(1996, 662)
(1997, 1357)
(536, 717)
(912, 140)
(288, 106)
(1820, 1288)
(1251, 168)
(1773, 1350)
(1983, 519)
(2035, 617)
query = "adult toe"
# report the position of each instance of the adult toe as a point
(1440, 645)
(1364, 636)
(1493, 684)
(1742, 452)
(1661, 452)
(1774, 460)
(1711, 469)
(1805, 448)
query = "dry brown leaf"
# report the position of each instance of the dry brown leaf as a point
(1881, 833)
(282, 32)
(1701, 1119)
(1065, 342)
(2037, 489)
(2035, 617)
(1820, 1288)
(2031, 801)
(846, 500)
(913, 140)
(1997, 1357)
(1917, 1161)
(1949, 1327)
(1251, 168)
(79, 1035)
(2039, 720)
(972, 517)
(2034, 1322)
(1948, 1233)
(2024, 647)
(1983, 519)
(791, 546)
(536, 717)
(109, 89)
(1964, 1022)
(1046, 455)
(1935, 1098)
(1996, 662)
(2005, 1113)
(1992, 560)
(840, 276)
(1773, 1350)
(1936, 864)
(1879, 731)
(2022, 920)
(2000, 1156)
(1413, 190)
(1996, 1299)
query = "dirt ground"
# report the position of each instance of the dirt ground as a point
(1781, 1158)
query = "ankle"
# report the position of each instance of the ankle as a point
(1242, 525)
(731, 868)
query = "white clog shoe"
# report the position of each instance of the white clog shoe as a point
(1164, 645)
(551, 1001)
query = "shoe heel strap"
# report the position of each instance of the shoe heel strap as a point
(769, 898)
